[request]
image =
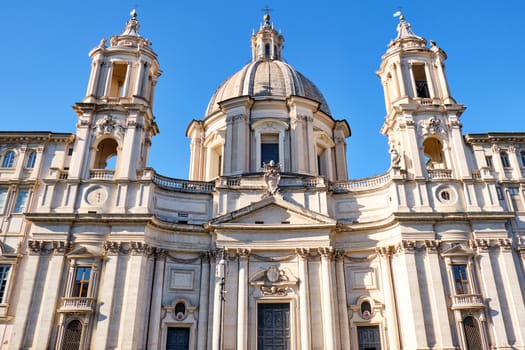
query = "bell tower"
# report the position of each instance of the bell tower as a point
(422, 121)
(115, 118)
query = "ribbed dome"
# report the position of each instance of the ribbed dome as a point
(267, 78)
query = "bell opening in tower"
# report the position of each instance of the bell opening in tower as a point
(118, 78)
(421, 81)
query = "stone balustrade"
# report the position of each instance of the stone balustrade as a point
(77, 305)
(467, 301)
(101, 174)
(171, 184)
(439, 174)
(361, 185)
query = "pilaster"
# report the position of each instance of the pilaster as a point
(242, 299)
(156, 300)
(304, 302)
(202, 327)
(327, 254)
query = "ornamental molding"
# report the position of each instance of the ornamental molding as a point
(41, 247)
(274, 281)
(109, 126)
(432, 126)
(235, 117)
(128, 248)
(492, 244)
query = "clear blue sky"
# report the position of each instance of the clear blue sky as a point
(337, 44)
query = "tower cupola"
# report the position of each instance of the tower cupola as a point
(116, 121)
(422, 121)
(267, 43)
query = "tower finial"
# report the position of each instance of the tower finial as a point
(266, 16)
(133, 14)
(399, 14)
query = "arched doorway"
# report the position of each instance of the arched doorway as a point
(472, 334)
(72, 335)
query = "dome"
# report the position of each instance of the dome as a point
(267, 78)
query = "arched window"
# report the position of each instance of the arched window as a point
(31, 159)
(106, 150)
(72, 335)
(504, 159)
(433, 149)
(180, 311)
(366, 310)
(472, 335)
(9, 160)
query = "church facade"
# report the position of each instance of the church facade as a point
(268, 245)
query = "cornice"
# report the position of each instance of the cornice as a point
(87, 218)
(453, 216)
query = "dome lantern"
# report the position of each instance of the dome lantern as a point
(267, 43)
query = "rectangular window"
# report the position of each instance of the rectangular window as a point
(522, 158)
(488, 160)
(21, 201)
(4, 275)
(3, 199)
(505, 159)
(421, 81)
(499, 192)
(269, 148)
(369, 338)
(514, 194)
(460, 279)
(82, 280)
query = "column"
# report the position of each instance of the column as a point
(304, 303)
(342, 302)
(202, 326)
(109, 73)
(139, 79)
(490, 287)
(511, 278)
(94, 79)
(27, 277)
(437, 297)
(408, 297)
(242, 300)
(50, 297)
(398, 71)
(217, 304)
(430, 82)
(212, 296)
(327, 302)
(390, 300)
(126, 167)
(132, 326)
(106, 297)
(127, 82)
(156, 300)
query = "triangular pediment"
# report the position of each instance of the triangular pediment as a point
(85, 251)
(272, 211)
(458, 250)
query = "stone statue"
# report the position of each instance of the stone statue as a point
(272, 176)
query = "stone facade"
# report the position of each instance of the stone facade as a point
(268, 245)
